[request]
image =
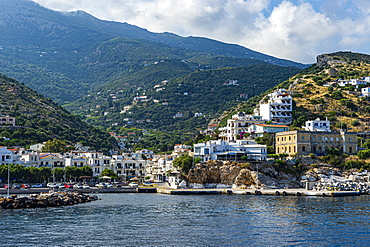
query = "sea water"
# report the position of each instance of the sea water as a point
(193, 220)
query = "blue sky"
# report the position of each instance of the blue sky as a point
(297, 30)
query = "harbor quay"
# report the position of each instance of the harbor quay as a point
(189, 191)
(259, 192)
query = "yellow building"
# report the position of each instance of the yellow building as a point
(305, 142)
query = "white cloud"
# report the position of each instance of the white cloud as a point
(292, 29)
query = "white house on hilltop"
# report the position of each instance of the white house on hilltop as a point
(317, 125)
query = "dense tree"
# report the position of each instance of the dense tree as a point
(109, 173)
(55, 146)
(184, 162)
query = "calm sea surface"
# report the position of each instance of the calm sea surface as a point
(204, 220)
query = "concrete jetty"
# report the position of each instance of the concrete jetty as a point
(258, 192)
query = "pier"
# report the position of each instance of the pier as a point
(189, 191)
(258, 192)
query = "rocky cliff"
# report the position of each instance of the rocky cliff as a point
(232, 174)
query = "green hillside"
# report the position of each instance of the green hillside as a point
(39, 119)
(316, 93)
(202, 92)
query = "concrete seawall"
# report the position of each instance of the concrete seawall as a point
(274, 192)
(169, 191)
(93, 190)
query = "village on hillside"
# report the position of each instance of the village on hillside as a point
(237, 141)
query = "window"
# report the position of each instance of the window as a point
(303, 149)
(319, 138)
(337, 139)
(278, 139)
(331, 139)
(313, 138)
(350, 149)
(302, 137)
(326, 138)
(349, 139)
(289, 138)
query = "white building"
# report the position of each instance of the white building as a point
(37, 147)
(51, 160)
(77, 161)
(129, 167)
(98, 162)
(365, 91)
(224, 150)
(30, 158)
(148, 153)
(257, 130)
(351, 82)
(8, 157)
(238, 125)
(317, 125)
(276, 107)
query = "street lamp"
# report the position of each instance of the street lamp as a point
(8, 189)
(52, 167)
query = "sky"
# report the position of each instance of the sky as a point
(296, 30)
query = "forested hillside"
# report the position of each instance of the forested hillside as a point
(177, 106)
(39, 119)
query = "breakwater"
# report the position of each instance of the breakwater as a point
(55, 199)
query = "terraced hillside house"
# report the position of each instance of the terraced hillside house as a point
(317, 125)
(306, 142)
(276, 107)
(238, 125)
(7, 120)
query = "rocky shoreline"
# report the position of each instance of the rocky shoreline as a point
(44, 200)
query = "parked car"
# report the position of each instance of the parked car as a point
(78, 186)
(101, 185)
(69, 186)
(6, 186)
(16, 186)
(85, 186)
(37, 186)
(25, 186)
(60, 186)
(133, 184)
(52, 185)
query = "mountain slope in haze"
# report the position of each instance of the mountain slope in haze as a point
(192, 43)
(40, 119)
(51, 51)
